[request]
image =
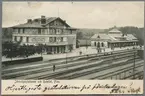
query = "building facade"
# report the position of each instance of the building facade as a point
(113, 38)
(52, 32)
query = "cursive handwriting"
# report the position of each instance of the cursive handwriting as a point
(24, 88)
(112, 88)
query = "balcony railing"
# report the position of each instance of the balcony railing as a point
(64, 34)
(50, 43)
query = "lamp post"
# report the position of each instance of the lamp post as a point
(66, 57)
(41, 49)
(134, 64)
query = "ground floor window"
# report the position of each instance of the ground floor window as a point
(55, 49)
(21, 38)
(95, 44)
(27, 39)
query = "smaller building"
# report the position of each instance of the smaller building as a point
(113, 38)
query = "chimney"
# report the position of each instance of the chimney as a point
(29, 21)
(42, 17)
(43, 20)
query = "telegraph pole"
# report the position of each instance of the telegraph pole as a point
(41, 49)
(66, 57)
(134, 66)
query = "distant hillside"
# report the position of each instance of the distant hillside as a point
(85, 33)
(137, 32)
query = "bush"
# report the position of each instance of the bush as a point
(12, 50)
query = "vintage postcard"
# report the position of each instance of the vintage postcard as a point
(72, 47)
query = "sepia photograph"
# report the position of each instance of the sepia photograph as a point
(73, 40)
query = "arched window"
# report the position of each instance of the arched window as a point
(95, 44)
(98, 45)
(102, 44)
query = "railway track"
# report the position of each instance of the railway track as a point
(46, 68)
(63, 60)
(137, 75)
(70, 70)
(20, 68)
(118, 72)
(94, 70)
(111, 72)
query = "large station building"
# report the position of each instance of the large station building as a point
(113, 38)
(51, 31)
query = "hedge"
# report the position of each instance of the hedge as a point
(22, 61)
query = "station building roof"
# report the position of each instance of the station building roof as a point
(36, 23)
(114, 35)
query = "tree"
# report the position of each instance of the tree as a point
(12, 50)
(79, 35)
(77, 43)
(137, 32)
(9, 49)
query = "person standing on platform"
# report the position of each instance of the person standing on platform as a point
(53, 68)
(80, 52)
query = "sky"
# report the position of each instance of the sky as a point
(97, 15)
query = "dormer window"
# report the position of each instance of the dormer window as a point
(36, 20)
(98, 36)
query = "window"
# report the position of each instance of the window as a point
(61, 31)
(43, 21)
(102, 44)
(53, 31)
(58, 39)
(58, 31)
(55, 22)
(61, 39)
(43, 31)
(52, 39)
(21, 38)
(98, 45)
(15, 38)
(39, 31)
(70, 31)
(27, 39)
(23, 30)
(50, 31)
(64, 38)
(18, 31)
(95, 44)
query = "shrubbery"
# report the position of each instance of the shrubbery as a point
(12, 50)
